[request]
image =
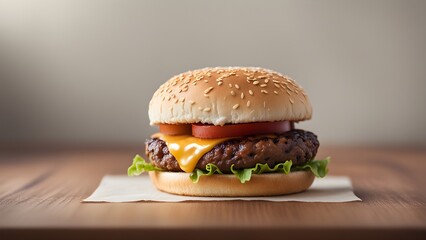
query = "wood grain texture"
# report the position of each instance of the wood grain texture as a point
(41, 190)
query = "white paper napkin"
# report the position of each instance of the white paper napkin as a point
(132, 189)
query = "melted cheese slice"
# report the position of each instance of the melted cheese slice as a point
(188, 149)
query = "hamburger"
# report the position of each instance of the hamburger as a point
(230, 131)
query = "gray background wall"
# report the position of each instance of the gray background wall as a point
(84, 71)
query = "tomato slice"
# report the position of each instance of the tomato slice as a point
(175, 129)
(243, 129)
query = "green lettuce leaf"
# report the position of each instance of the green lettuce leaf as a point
(139, 166)
(317, 167)
(244, 175)
(210, 170)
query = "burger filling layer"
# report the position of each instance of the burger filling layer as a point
(298, 146)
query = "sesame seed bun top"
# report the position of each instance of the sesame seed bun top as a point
(229, 95)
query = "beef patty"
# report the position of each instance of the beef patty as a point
(297, 145)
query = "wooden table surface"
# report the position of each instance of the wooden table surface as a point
(41, 190)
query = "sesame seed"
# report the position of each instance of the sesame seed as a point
(275, 81)
(288, 92)
(251, 92)
(242, 95)
(219, 83)
(276, 92)
(291, 101)
(230, 85)
(169, 97)
(255, 82)
(263, 85)
(176, 100)
(182, 99)
(208, 90)
(191, 102)
(236, 106)
(248, 103)
(266, 80)
(206, 81)
(264, 91)
(207, 109)
(232, 93)
(276, 85)
(237, 87)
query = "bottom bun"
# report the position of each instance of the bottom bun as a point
(228, 185)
